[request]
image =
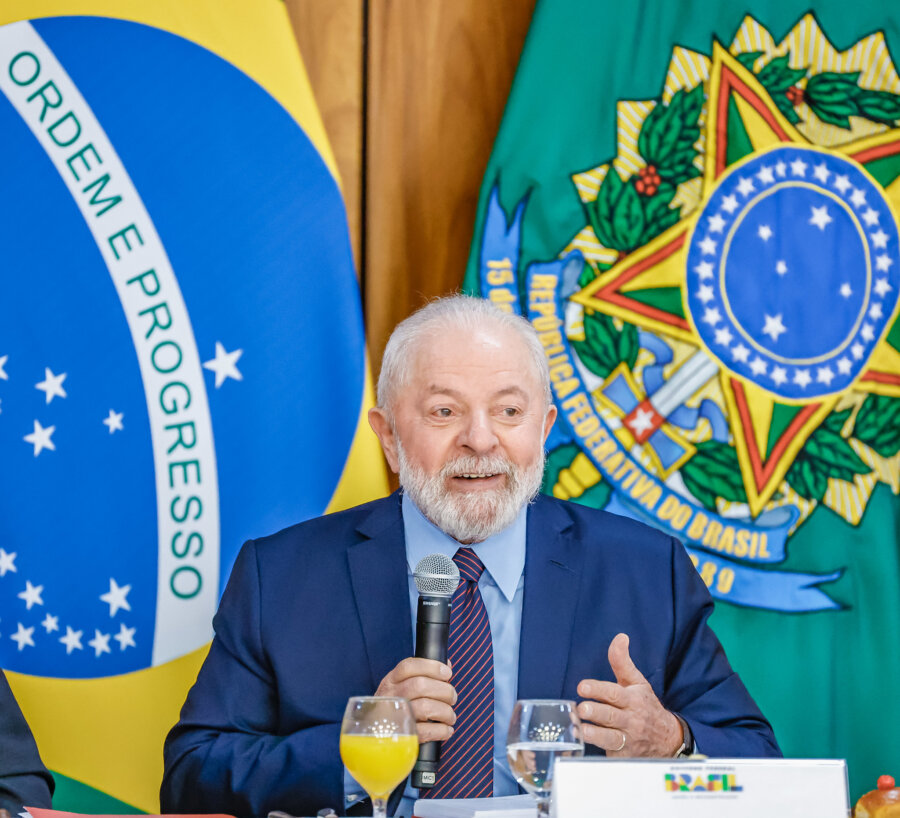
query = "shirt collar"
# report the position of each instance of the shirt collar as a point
(503, 554)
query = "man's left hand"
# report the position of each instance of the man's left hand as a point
(624, 717)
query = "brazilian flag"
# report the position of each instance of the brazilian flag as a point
(695, 204)
(182, 357)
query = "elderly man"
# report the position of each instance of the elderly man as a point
(577, 603)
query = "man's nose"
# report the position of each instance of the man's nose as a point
(478, 434)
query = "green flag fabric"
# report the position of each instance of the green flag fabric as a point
(695, 204)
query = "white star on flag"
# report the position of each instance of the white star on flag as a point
(781, 267)
(842, 183)
(798, 167)
(745, 186)
(114, 421)
(875, 311)
(846, 290)
(765, 175)
(708, 246)
(224, 364)
(858, 197)
(50, 623)
(820, 217)
(764, 232)
(882, 287)
(758, 366)
(23, 636)
(40, 438)
(774, 326)
(115, 597)
(824, 375)
(125, 637)
(870, 217)
(51, 386)
(780, 168)
(740, 353)
(3, 360)
(7, 562)
(883, 263)
(642, 421)
(730, 204)
(867, 332)
(724, 336)
(779, 375)
(100, 643)
(72, 640)
(857, 350)
(31, 594)
(880, 240)
(843, 366)
(802, 378)
(716, 223)
(712, 316)
(705, 293)
(821, 173)
(704, 269)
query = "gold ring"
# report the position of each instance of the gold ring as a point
(621, 746)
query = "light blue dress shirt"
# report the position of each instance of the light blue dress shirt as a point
(502, 588)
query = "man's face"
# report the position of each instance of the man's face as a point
(468, 431)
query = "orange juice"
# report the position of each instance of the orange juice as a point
(379, 763)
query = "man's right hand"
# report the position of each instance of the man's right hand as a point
(426, 684)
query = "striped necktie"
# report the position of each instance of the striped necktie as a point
(467, 757)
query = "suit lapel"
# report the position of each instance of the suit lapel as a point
(552, 572)
(379, 579)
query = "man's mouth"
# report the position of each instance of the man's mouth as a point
(474, 476)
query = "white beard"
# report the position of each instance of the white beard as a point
(471, 517)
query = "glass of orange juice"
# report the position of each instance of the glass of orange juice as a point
(379, 745)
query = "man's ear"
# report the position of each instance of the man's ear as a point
(381, 425)
(549, 418)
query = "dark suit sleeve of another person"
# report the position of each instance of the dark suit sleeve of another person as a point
(24, 780)
(230, 751)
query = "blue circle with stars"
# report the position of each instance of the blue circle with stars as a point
(793, 271)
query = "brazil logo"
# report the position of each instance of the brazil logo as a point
(176, 373)
(722, 333)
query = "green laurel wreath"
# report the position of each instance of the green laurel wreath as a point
(832, 96)
(828, 454)
(627, 214)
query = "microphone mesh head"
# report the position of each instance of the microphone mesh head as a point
(436, 575)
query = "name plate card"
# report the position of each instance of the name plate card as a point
(702, 788)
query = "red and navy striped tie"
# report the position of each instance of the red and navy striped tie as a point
(467, 757)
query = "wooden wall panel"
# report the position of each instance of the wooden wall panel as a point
(330, 36)
(439, 73)
(411, 106)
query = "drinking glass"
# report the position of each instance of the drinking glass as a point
(540, 731)
(379, 745)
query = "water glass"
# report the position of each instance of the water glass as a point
(540, 731)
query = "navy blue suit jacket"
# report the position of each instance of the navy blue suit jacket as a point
(320, 612)
(24, 780)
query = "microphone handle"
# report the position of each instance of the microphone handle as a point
(432, 633)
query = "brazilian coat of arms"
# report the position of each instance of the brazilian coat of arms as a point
(722, 334)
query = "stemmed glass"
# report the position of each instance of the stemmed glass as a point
(540, 731)
(379, 745)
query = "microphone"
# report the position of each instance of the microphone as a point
(437, 577)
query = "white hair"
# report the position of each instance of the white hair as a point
(465, 313)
